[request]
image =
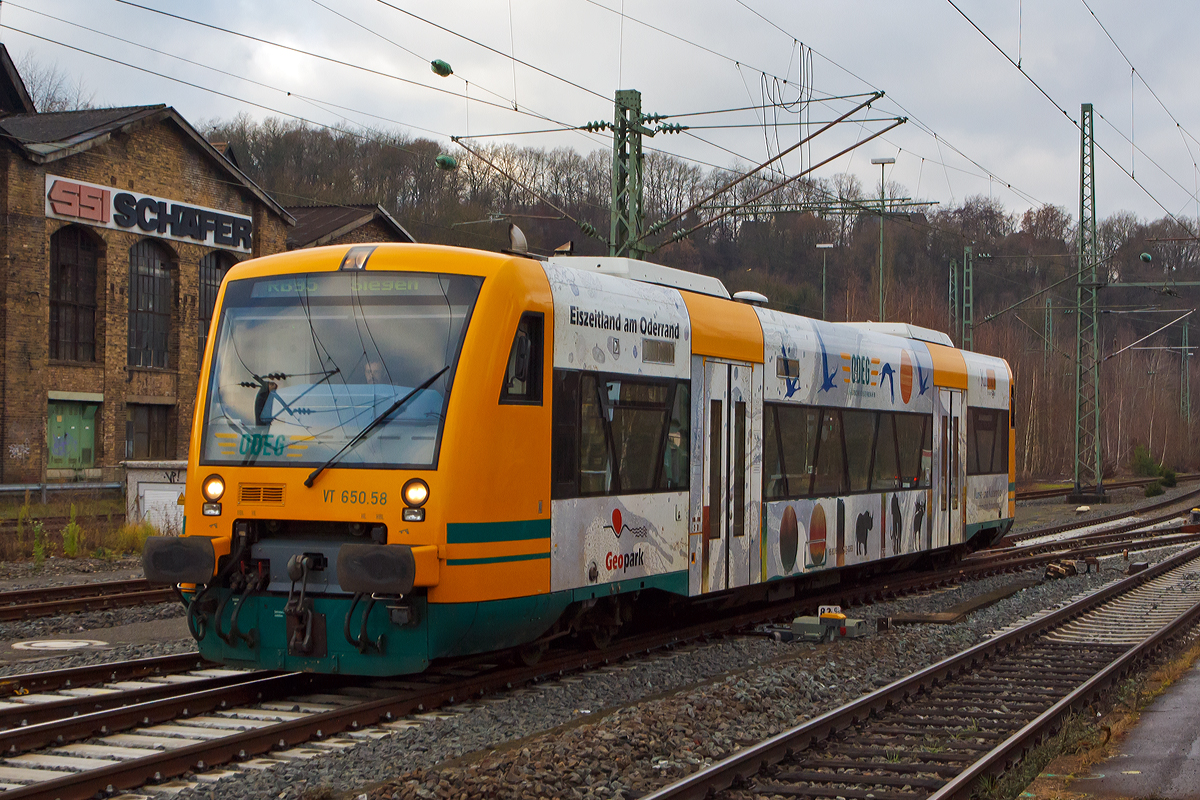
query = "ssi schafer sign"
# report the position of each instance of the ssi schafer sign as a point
(106, 207)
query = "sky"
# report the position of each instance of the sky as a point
(977, 124)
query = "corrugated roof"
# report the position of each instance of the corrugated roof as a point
(318, 225)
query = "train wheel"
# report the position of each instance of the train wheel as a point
(532, 653)
(602, 636)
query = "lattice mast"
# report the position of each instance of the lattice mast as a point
(968, 299)
(1088, 453)
(628, 212)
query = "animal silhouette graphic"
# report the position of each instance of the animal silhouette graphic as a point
(827, 377)
(887, 372)
(924, 384)
(897, 526)
(862, 526)
(918, 516)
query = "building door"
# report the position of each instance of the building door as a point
(71, 435)
(948, 479)
(728, 533)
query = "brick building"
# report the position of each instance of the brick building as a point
(355, 224)
(118, 225)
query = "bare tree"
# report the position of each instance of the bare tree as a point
(51, 88)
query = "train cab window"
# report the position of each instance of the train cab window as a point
(885, 472)
(830, 476)
(987, 441)
(859, 428)
(523, 375)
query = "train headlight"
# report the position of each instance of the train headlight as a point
(213, 488)
(415, 493)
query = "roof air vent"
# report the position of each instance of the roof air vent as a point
(750, 298)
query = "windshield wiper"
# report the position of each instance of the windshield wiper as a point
(375, 423)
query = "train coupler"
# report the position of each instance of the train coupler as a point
(361, 642)
(305, 627)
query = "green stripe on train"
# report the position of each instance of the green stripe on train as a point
(466, 562)
(483, 532)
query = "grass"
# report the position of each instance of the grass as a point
(93, 504)
(129, 538)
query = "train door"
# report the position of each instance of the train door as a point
(949, 484)
(727, 528)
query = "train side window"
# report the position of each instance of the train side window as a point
(987, 442)
(676, 470)
(830, 476)
(637, 413)
(738, 501)
(564, 445)
(774, 478)
(595, 461)
(914, 439)
(885, 473)
(859, 428)
(523, 376)
(798, 429)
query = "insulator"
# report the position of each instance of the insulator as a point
(677, 235)
(656, 227)
(598, 125)
(588, 228)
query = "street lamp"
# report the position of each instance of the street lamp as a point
(824, 248)
(882, 162)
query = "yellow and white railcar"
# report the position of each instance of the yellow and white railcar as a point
(408, 452)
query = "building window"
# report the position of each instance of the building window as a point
(73, 256)
(212, 271)
(148, 432)
(150, 294)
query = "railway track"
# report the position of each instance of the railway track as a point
(1039, 494)
(46, 602)
(75, 733)
(1183, 499)
(176, 719)
(936, 733)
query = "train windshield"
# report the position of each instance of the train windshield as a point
(303, 363)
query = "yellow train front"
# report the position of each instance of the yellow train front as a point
(404, 452)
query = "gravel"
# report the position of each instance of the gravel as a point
(1033, 514)
(84, 621)
(633, 727)
(86, 658)
(60, 571)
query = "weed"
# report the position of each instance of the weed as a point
(1169, 478)
(72, 537)
(130, 537)
(21, 516)
(39, 543)
(1154, 489)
